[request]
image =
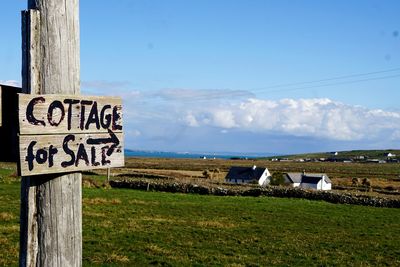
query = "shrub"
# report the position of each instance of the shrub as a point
(355, 181)
(277, 179)
(215, 173)
(206, 174)
(366, 182)
(390, 188)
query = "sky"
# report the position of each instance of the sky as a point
(249, 76)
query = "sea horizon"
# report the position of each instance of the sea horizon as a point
(195, 154)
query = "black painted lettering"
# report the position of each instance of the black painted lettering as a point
(93, 117)
(70, 102)
(105, 119)
(52, 152)
(116, 118)
(41, 156)
(83, 103)
(29, 111)
(30, 157)
(104, 159)
(93, 159)
(68, 151)
(81, 155)
(54, 105)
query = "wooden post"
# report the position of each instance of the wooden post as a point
(51, 205)
(108, 174)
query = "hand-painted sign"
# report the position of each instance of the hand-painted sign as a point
(69, 133)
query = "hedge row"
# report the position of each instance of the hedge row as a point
(286, 192)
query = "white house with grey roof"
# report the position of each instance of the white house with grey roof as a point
(243, 175)
(317, 181)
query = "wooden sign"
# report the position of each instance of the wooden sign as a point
(69, 133)
(55, 114)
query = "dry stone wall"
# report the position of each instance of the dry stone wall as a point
(272, 191)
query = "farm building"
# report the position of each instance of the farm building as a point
(246, 175)
(293, 178)
(318, 181)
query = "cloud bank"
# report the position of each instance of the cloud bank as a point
(229, 120)
(320, 118)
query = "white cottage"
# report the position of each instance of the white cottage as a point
(243, 175)
(317, 181)
(293, 178)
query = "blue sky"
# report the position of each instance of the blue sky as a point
(239, 76)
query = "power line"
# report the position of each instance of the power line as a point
(328, 79)
(338, 83)
(215, 94)
(263, 89)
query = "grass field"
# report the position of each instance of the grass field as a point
(381, 175)
(134, 228)
(371, 154)
(333, 169)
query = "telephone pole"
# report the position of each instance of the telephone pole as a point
(51, 204)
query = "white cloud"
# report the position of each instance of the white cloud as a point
(223, 118)
(202, 94)
(134, 133)
(10, 83)
(319, 117)
(191, 120)
(180, 115)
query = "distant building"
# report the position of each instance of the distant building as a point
(390, 155)
(376, 161)
(285, 160)
(317, 181)
(293, 178)
(246, 175)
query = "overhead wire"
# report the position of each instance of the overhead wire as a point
(237, 93)
(296, 86)
(329, 79)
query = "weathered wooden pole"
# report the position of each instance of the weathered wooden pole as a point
(51, 205)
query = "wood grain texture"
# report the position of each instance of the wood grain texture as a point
(76, 155)
(59, 64)
(51, 205)
(31, 51)
(73, 114)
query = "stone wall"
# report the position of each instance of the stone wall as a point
(272, 191)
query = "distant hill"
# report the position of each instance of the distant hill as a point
(370, 154)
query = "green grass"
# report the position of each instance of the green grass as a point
(9, 223)
(143, 228)
(135, 228)
(333, 169)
